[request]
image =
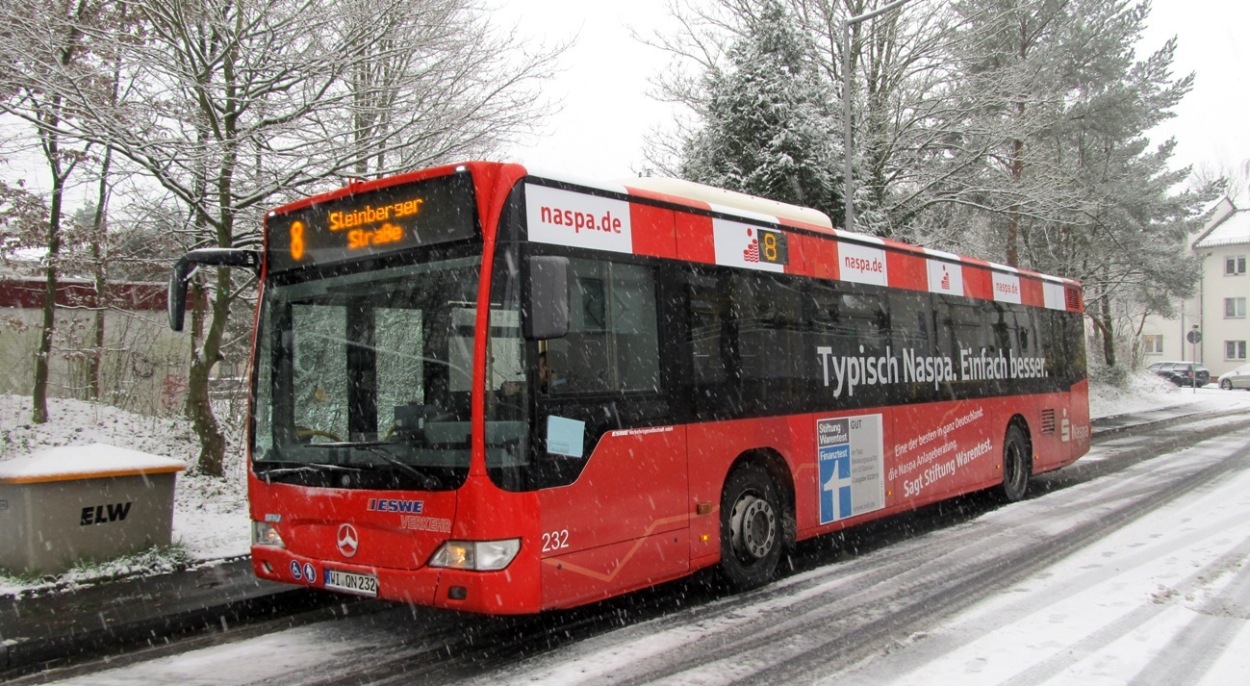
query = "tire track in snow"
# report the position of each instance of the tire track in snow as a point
(925, 581)
(1014, 617)
(1093, 643)
(1189, 655)
(933, 647)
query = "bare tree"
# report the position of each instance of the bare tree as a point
(232, 105)
(1233, 180)
(442, 83)
(47, 41)
(97, 227)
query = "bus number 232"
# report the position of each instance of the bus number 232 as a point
(555, 540)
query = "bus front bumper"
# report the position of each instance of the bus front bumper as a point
(467, 591)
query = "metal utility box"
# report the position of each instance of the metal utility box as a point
(91, 502)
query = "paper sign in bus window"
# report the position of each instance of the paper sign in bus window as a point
(565, 436)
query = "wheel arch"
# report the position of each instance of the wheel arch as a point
(1018, 420)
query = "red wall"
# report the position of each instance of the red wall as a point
(28, 294)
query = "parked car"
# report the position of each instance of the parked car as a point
(1237, 378)
(1182, 373)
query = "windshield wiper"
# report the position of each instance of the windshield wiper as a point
(272, 469)
(428, 481)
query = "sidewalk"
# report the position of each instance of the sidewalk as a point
(1119, 422)
(96, 619)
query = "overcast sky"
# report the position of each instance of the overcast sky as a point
(1210, 126)
(598, 131)
(604, 112)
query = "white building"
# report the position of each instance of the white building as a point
(1218, 310)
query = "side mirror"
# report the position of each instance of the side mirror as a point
(176, 298)
(548, 298)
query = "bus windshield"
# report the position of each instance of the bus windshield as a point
(363, 378)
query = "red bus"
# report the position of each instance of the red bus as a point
(481, 388)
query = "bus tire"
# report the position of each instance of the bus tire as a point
(750, 528)
(1017, 465)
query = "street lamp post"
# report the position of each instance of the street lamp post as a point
(848, 182)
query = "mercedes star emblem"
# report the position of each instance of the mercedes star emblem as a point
(349, 541)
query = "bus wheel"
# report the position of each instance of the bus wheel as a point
(750, 528)
(1017, 466)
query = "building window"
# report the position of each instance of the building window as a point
(1234, 308)
(1234, 265)
(1152, 344)
(1234, 350)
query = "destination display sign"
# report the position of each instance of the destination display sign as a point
(427, 212)
(772, 247)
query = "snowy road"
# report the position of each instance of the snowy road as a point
(1138, 572)
(1165, 599)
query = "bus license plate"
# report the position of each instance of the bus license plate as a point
(362, 584)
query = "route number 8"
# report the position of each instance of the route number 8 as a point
(297, 240)
(770, 246)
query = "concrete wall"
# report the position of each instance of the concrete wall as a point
(143, 363)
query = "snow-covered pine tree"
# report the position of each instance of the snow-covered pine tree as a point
(767, 123)
(1071, 185)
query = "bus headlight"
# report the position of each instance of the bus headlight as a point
(264, 533)
(480, 556)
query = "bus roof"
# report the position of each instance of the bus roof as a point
(685, 193)
(730, 202)
(691, 194)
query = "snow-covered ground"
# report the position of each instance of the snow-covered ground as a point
(1165, 599)
(210, 514)
(1144, 391)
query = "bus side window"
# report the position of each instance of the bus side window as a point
(868, 320)
(776, 368)
(912, 334)
(712, 326)
(1003, 323)
(961, 323)
(613, 339)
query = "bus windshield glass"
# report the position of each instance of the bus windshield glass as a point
(363, 378)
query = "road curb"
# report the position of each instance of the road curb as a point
(41, 630)
(1110, 427)
(34, 653)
